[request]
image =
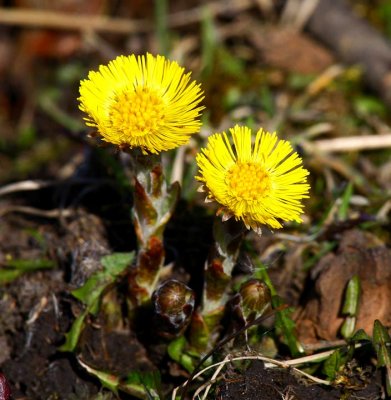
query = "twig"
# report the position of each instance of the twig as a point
(67, 21)
(37, 310)
(178, 165)
(296, 13)
(323, 345)
(267, 360)
(30, 185)
(55, 213)
(24, 186)
(353, 143)
(224, 341)
(209, 384)
(383, 211)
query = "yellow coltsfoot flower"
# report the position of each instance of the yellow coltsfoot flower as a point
(145, 101)
(260, 183)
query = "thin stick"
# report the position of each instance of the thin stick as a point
(353, 143)
(24, 186)
(267, 360)
(214, 377)
(224, 341)
(296, 13)
(177, 169)
(55, 213)
(67, 21)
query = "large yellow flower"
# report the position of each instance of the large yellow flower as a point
(143, 101)
(260, 183)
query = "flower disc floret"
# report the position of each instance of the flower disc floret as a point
(248, 181)
(145, 101)
(260, 182)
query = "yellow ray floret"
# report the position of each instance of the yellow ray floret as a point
(260, 182)
(143, 101)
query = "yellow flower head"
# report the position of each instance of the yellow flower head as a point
(259, 183)
(143, 101)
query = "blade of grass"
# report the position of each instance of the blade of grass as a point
(161, 23)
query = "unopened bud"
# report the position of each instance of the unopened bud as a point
(173, 303)
(256, 296)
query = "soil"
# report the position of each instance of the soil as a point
(263, 383)
(36, 310)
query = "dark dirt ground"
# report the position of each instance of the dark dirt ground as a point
(83, 214)
(36, 310)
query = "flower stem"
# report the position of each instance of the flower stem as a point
(154, 204)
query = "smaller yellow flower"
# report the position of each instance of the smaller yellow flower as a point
(145, 101)
(259, 183)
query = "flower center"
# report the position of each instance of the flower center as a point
(137, 113)
(248, 181)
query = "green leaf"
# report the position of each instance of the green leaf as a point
(30, 265)
(382, 343)
(299, 81)
(16, 267)
(148, 383)
(348, 327)
(161, 24)
(332, 365)
(26, 137)
(177, 351)
(369, 106)
(360, 336)
(208, 42)
(350, 307)
(267, 100)
(287, 327)
(176, 347)
(352, 296)
(107, 380)
(8, 275)
(90, 293)
(113, 265)
(284, 323)
(138, 384)
(344, 207)
(72, 337)
(261, 273)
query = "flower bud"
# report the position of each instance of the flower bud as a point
(256, 297)
(173, 304)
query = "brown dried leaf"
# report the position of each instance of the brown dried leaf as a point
(292, 51)
(359, 253)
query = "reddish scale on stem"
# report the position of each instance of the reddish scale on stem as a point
(5, 390)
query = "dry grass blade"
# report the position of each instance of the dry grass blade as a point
(207, 385)
(296, 13)
(24, 186)
(55, 213)
(57, 20)
(269, 362)
(225, 341)
(178, 165)
(344, 144)
(68, 21)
